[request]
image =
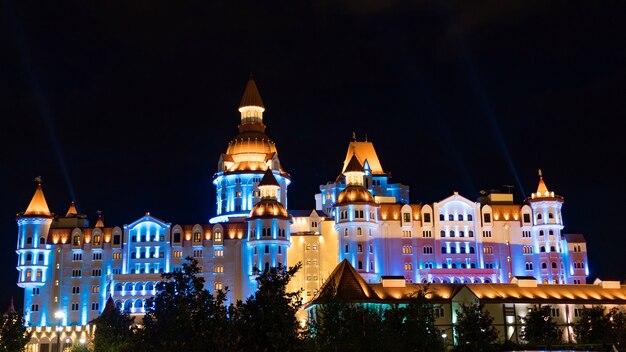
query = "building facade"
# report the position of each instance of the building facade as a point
(69, 268)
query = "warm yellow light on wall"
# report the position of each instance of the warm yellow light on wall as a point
(107, 238)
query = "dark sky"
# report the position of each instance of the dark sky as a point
(125, 106)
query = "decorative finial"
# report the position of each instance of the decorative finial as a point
(38, 179)
(251, 77)
(540, 175)
(366, 137)
(354, 136)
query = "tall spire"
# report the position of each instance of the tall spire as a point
(542, 189)
(268, 185)
(251, 96)
(38, 205)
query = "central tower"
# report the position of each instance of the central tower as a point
(242, 167)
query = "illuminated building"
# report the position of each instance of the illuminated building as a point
(65, 265)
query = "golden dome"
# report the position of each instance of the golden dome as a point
(250, 151)
(355, 194)
(269, 208)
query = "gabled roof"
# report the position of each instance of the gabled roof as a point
(251, 96)
(345, 284)
(363, 151)
(99, 222)
(38, 205)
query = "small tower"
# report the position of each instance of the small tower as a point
(547, 226)
(268, 227)
(34, 253)
(355, 217)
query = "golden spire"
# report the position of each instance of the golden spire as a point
(72, 210)
(38, 205)
(542, 189)
(251, 96)
(99, 222)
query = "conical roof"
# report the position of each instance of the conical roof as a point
(72, 210)
(269, 179)
(354, 165)
(38, 205)
(99, 222)
(541, 187)
(251, 96)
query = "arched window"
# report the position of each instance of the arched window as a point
(550, 216)
(360, 264)
(359, 231)
(279, 250)
(460, 217)
(553, 265)
(451, 233)
(346, 249)
(471, 233)
(539, 216)
(118, 305)
(550, 232)
(42, 240)
(133, 239)
(138, 303)
(443, 233)
(267, 249)
(441, 217)
(118, 287)
(453, 249)
(139, 286)
(471, 250)
(541, 233)
(469, 218)
(29, 240)
(462, 250)
(29, 257)
(542, 249)
(176, 237)
(76, 240)
(451, 217)
(129, 287)
(40, 257)
(96, 240)
(217, 236)
(544, 266)
(443, 249)
(128, 304)
(345, 232)
(461, 234)
(453, 265)
(552, 249)
(149, 286)
(359, 248)
(267, 266)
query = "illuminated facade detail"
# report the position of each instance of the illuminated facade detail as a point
(66, 265)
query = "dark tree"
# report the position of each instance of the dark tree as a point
(419, 330)
(618, 328)
(13, 334)
(342, 326)
(184, 316)
(114, 330)
(592, 326)
(539, 328)
(267, 320)
(474, 328)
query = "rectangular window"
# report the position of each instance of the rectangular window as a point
(197, 253)
(197, 237)
(97, 256)
(117, 271)
(35, 291)
(218, 286)
(74, 306)
(117, 239)
(218, 269)
(178, 254)
(117, 255)
(96, 272)
(77, 256)
(95, 306)
(426, 217)
(488, 250)
(95, 289)
(406, 217)
(526, 218)
(77, 273)
(439, 312)
(218, 253)
(555, 312)
(75, 290)
(34, 308)
(487, 217)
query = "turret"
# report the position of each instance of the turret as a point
(34, 253)
(547, 225)
(268, 227)
(355, 215)
(241, 168)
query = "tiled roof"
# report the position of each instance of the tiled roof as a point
(251, 96)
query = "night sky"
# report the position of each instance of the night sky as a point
(126, 106)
